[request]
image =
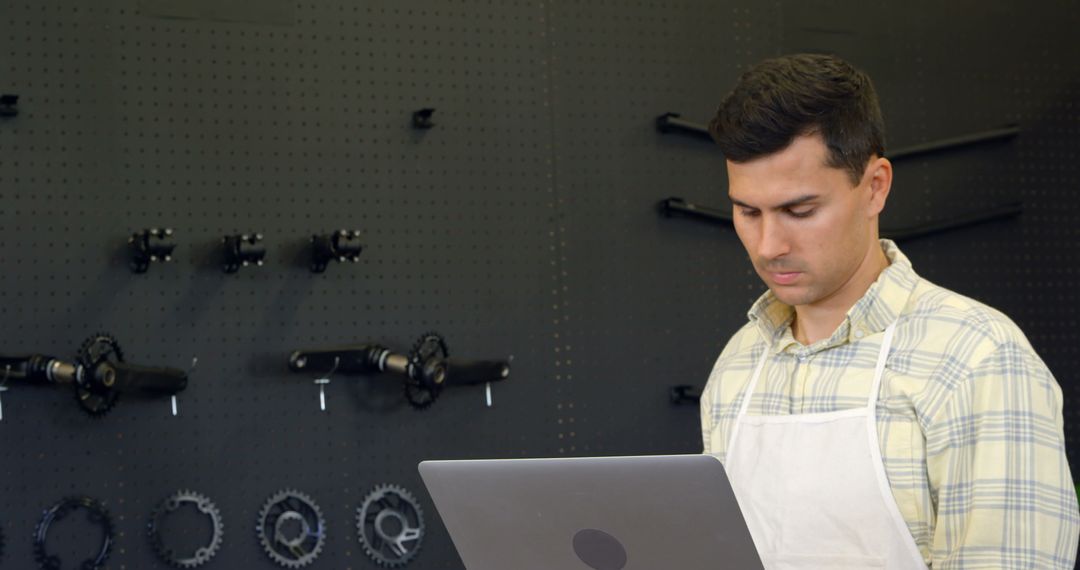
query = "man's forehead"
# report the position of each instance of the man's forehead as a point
(796, 171)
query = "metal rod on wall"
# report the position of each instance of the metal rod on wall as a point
(1002, 133)
(672, 123)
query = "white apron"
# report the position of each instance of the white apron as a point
(813, 488)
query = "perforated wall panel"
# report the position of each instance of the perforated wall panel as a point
(523, 224)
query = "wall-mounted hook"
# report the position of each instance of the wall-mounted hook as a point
(149, 246)
(7, 105)
(342, 245)
(194, 362)
(422, 119)
(4, 388)
(684, 394)
(674, 123)
(242, 250)
(323, 381)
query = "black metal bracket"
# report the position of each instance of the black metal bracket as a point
(1003, 133)
(671, 206)
(7, 105)
(342, 246)
(1010, 210)
(422, 119)
(991, 214)
(684, 394)
(149, 246)
(242, 250)
(673, 123)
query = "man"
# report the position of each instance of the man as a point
(868, 418)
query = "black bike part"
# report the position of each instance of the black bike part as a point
(171, 504)
(420, 396)
(360, 359)
(426, 370)
(390, 526)
(242, 250)
(32, 368)
(467, 372)
(94, 384)
(291, 529)
(427, 360)
(96, 514)
(341, 246)
(95, 403)
(151, 380)
(148, 246)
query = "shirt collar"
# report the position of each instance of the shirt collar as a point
(873, 313)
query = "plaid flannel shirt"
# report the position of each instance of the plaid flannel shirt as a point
(969, 417)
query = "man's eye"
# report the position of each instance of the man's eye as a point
(802, 213)
(748, 213)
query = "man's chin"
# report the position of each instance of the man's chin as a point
(794, 296)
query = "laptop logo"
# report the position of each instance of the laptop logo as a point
(599, 550)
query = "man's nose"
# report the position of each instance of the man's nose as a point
(773, 241)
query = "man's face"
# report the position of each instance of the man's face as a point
(806, 228)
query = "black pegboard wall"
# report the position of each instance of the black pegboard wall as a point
(522, 224)
(129, 121)
(646, 302)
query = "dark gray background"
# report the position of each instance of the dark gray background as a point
(523, 224)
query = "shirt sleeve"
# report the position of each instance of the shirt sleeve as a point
(997, 468)
(706, 418)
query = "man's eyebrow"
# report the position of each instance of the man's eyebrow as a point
(790, 203)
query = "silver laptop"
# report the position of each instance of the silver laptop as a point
(604, 513)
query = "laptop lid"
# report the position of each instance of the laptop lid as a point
(604, 513)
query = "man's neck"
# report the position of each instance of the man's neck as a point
(819, 320)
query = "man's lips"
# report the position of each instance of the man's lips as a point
(784, 278)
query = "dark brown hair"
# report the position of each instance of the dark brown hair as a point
(781, 98)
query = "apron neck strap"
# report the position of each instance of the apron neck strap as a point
(749, 391)
(879, 370)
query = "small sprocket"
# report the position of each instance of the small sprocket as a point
(427, 370)
(93, 396)
(390, 526)
(171, 504)
(291, 529)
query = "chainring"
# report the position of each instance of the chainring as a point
(171, 504)
(398, 545)
(420, 394)
(290, 506)
(97, 515)
(98, 349)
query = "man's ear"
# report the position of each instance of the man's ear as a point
(879, 177)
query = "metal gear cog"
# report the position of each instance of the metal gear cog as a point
(419, 393)
(97, 515)
(390, 525)
(99, 348)
(301, 546)
(171, 504)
